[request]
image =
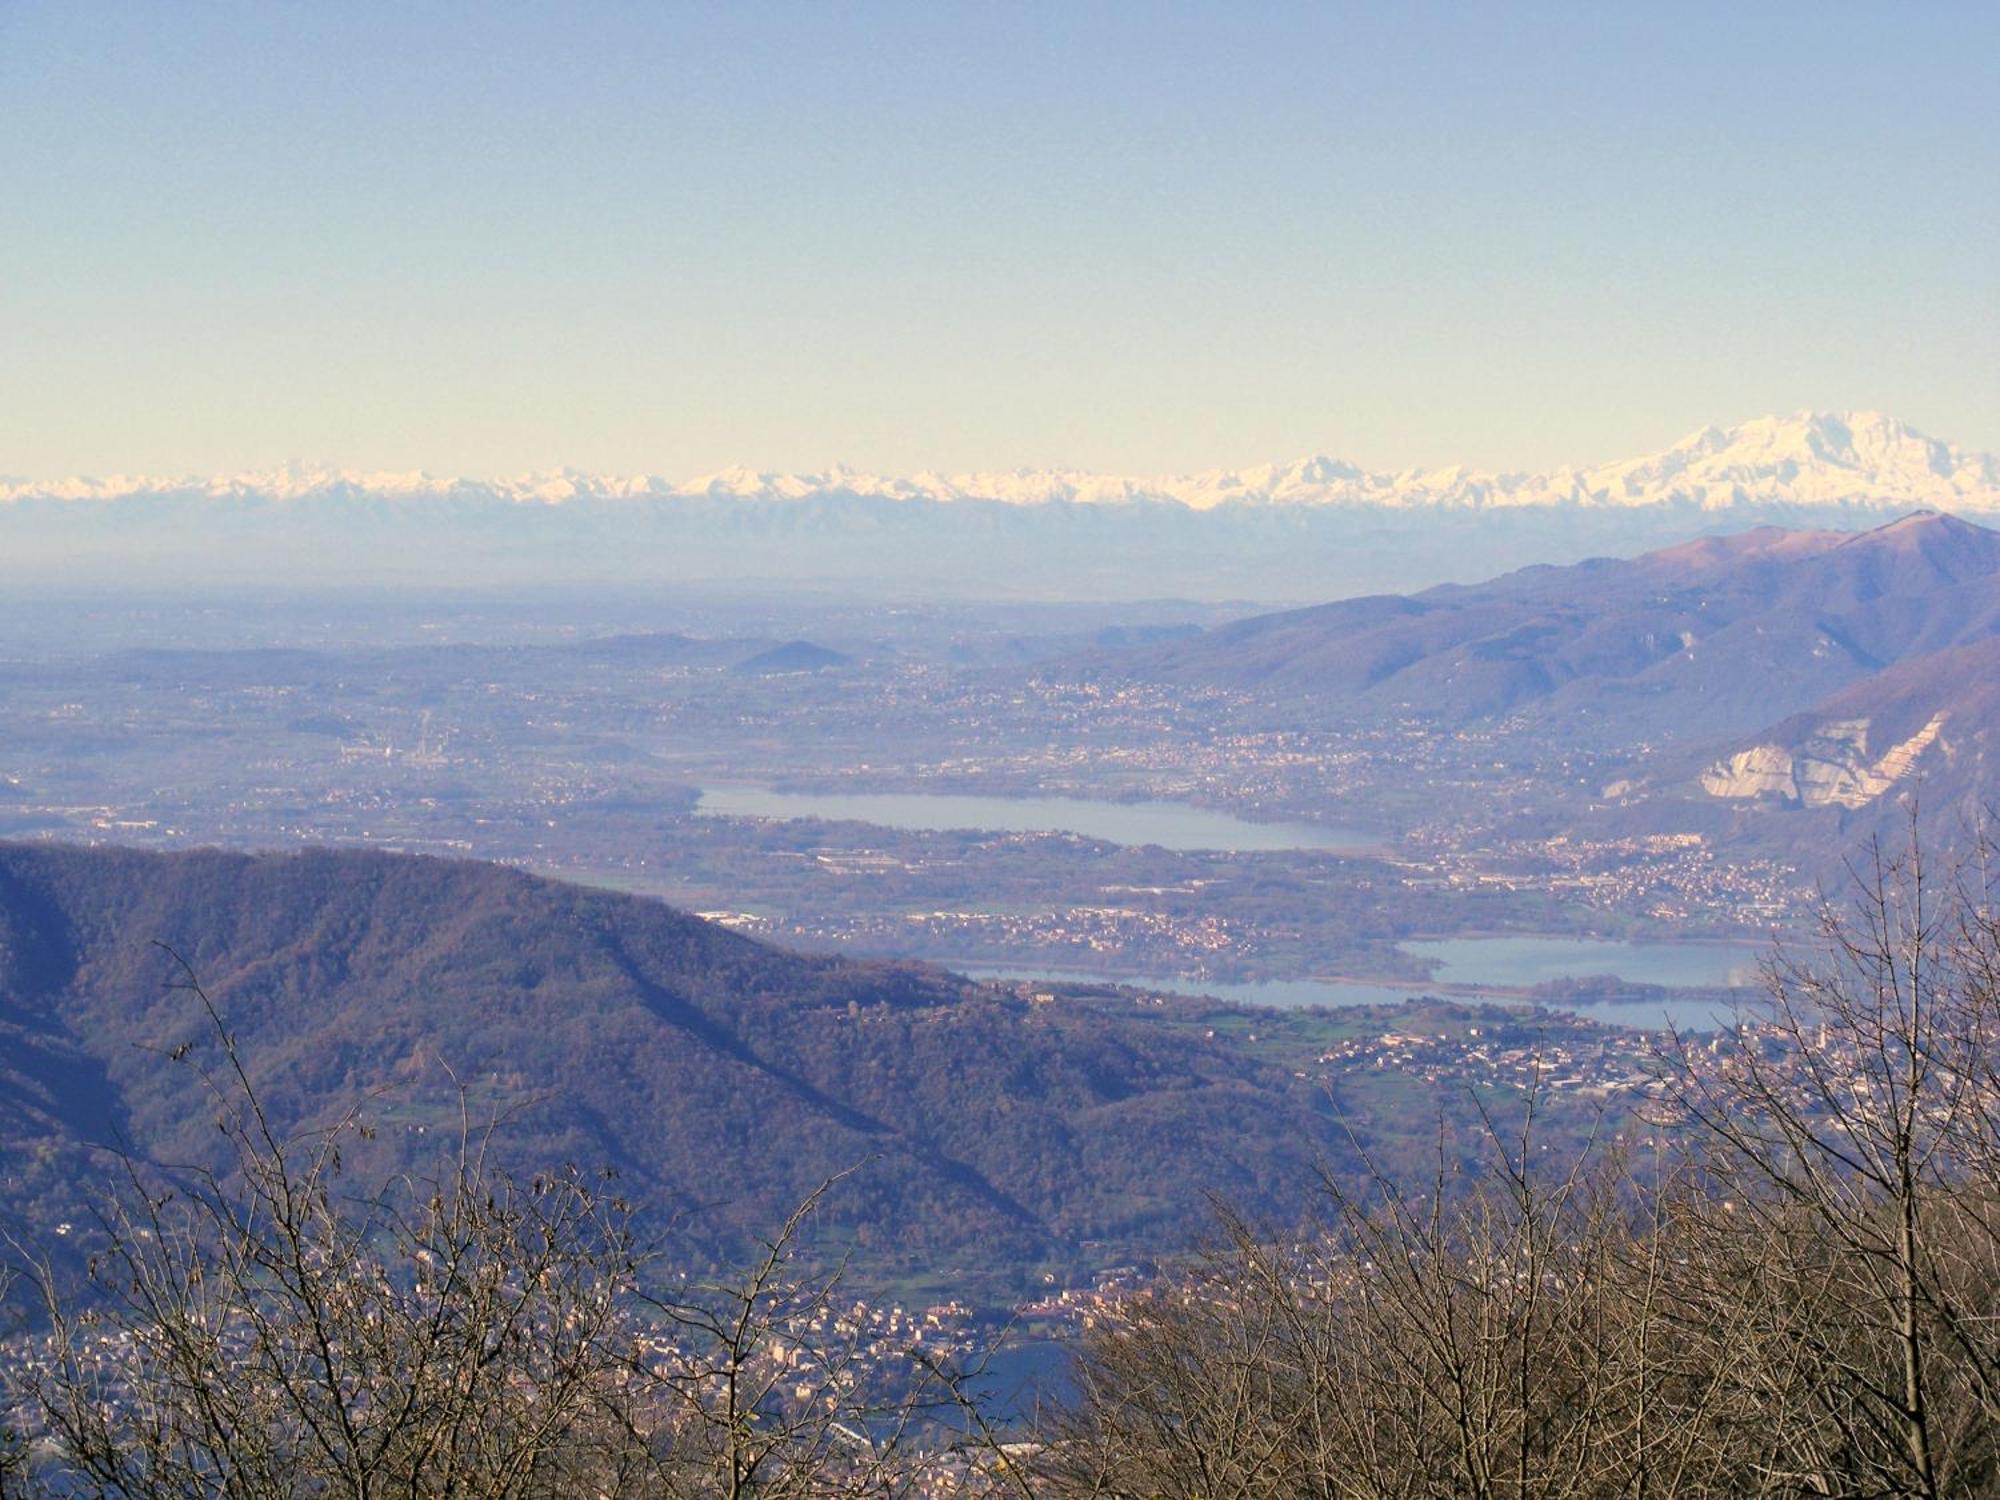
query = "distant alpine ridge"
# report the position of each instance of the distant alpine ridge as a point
(1850, 460)
(1278, 534)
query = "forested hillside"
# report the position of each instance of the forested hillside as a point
(723, 1079)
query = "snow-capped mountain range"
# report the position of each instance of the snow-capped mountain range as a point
(1851, 460)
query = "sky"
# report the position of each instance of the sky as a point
(489, 238)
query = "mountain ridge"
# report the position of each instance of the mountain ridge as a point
(1788, 694)
(1824, 671)
(1859, 459)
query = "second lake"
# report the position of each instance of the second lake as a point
(1485, 969)
(1171, 825)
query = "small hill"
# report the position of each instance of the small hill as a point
(662, 649)
(793, 656)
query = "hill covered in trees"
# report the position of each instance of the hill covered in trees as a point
(722, 1079)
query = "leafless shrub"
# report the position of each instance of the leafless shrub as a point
(1853, 1132)
(1799, 1296)
(1499, 1336)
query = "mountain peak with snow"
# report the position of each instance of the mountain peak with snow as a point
(1849, 460)
(1861, 458)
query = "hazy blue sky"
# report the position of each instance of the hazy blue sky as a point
(484, 238)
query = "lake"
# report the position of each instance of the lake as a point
(1517, 962)
(1476, 969)
(1468, 968)
(1171, 825)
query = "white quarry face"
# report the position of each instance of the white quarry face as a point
(1829, 768)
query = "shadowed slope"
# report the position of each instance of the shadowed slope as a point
(718, 1074)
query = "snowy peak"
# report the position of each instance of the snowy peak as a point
(1810, 458)
(1854, 460)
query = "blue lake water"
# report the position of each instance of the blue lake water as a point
(1170, 825)
(1523, 961)
(1467, 967)
(1476, 969)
